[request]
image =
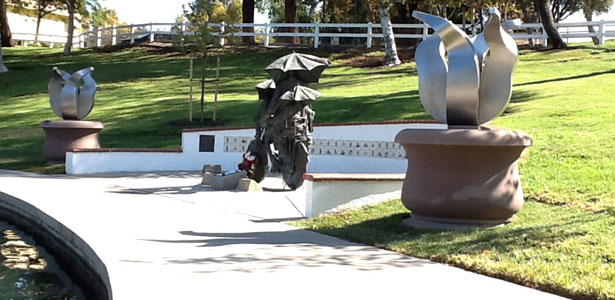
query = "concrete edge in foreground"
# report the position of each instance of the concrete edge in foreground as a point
(73, 254)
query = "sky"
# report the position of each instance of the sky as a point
(145, 11)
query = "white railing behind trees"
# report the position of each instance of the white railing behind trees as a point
(312, 33)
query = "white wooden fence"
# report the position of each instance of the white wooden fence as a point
(315, 32)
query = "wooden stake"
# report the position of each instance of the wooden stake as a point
(190, 115)
(216, 93)
(203, 91)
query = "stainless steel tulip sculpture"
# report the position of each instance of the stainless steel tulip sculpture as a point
(72, 96)
(72, 99)
(466, 175)
(475, 85)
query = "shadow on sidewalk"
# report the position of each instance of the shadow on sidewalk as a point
(284, 249)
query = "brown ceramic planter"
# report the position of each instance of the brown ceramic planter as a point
(462, 177)
(68, 134)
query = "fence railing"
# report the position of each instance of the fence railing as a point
(317, 34)
(50, 39)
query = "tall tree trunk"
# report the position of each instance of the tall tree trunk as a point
(247, 12)
(290, 16)
(587, 11)
(2, 67)
(390, 49)
(555, 39)
(38, 25)
(71, 27)
(5, 30)
(403, 17)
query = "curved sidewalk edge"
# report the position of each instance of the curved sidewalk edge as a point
(74, 255)
(165, 236)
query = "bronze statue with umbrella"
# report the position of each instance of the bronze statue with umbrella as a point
(284, 119)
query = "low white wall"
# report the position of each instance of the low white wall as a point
(365, 148)
(228, 160)
(322, 196)
(108, 162)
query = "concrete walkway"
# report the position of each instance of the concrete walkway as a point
(163, 236)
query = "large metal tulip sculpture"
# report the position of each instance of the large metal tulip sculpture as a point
(474, 85)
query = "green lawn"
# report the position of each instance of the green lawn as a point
(563, 250)
(561, 241)
(143, 98)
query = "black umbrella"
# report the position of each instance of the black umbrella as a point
(265, 89)
(300, 93)
(306, 68)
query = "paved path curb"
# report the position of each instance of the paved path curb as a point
(164, 236)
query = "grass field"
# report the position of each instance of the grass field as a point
(143, 98)
(562, 240)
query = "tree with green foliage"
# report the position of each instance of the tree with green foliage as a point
(304, 11)
(595, 6)
(72, 7)
(229, 13)
(43, 8)
(200, 15)
(103, 17)
(562, 9)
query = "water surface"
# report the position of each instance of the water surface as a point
(28, 272)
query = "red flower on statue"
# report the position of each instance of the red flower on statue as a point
(248, 164)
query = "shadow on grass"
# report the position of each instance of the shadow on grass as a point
(22, 153)
(391, 230)
(539, 229)
(520, 96)
(403, 105)
(612, 71)
(577, 47)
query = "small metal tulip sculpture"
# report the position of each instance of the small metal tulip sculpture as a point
(71, 98)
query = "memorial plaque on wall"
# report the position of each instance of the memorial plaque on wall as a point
(206, 143)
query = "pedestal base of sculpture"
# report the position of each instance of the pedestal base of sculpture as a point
(459, 178)
(418, 221)
(69, 134)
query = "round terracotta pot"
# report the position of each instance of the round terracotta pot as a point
(462, 177)
(69, 134)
